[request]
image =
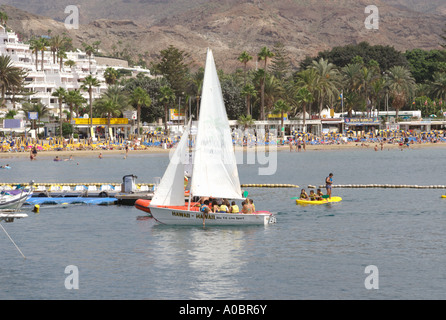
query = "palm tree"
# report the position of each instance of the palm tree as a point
(89, 50)
(282, 107)
(10, 76)
(10, 114)
(260, 77)
(367, 76)
(111, 75)
(245, 121)
(74, 99)
(197, 85)
(112, 102)
(377, 88)
(37, 45)
(43, 44)
(244, 58)
(273, 91)
(41, 109)
(327, 81)
(56, 43)
(60, 94)
(401, 84)
(304, 97)
(351, 99)
(140, 97)
(70, 63)
(308, 79)
(438, 86)
(87, 85)
(17, 88)
(351, 77)
(249, 91)
(61, 54)
(167, 95)
(264, 54)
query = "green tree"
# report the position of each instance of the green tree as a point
(43, 43)
(244, 58)
(41, 109)
(307, 78)
(61, 54)
(196, 85)
(38, 45)
(401, 85)
(74, 99)
(249, 92)
(340, 56)
(152, 86)
(263, 55)
(3, 18)
(438, 86)
(304, 97)
(173, 67)
(232, 96)
(140, 97)
(166, 96)
(10, 114)
(88, 84)
(327, 81)
(246, 121)
(56, 43)
(10, 76)
(274, 90)
(423, 64)
(89, 50)
(281, 107)
(70, 63)
(60, 94)
(111, 76)
(111, 104)
(280, 63)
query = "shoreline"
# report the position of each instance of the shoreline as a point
(155, 150)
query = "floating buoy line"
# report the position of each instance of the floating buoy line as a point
(103, 185)
(385, 186)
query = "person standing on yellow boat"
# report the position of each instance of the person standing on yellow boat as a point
(328, 184)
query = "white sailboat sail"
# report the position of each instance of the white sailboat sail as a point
(215, 168)
(170, 191)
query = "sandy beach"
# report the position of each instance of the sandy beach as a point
(63, 154)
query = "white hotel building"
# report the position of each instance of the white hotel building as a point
(42, 83)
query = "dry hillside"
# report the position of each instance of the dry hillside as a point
(305, 27)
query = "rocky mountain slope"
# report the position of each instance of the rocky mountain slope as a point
(305, 27)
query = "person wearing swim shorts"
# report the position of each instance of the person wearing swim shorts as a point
(328, 184)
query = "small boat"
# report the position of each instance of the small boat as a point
(10, 215)
(324, 201)
(14, 199)
(214, 168)
(443, 196)
(143, 205)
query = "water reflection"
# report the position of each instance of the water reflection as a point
(208, 260)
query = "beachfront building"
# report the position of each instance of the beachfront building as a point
(40, 82)
(358, 124)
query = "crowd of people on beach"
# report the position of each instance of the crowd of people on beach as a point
(297, 141)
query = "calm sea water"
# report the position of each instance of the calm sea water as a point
(313, 252)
